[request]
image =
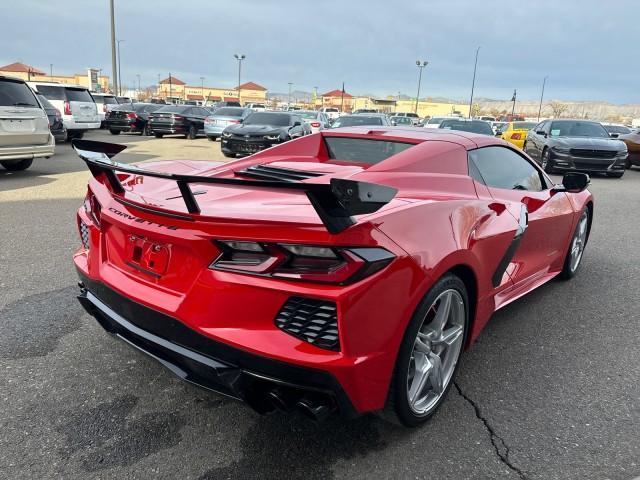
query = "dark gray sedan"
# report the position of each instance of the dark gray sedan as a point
(582, 145)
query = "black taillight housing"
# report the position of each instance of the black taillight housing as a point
(92, 207)
(310, 263)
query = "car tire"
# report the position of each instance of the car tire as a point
(211, 139)
(229, 155)
(545, 161)
(145, 131)
(158, 135)
(192, 134)
(579, 239)
(17, 166)
(114, 132)
(404, 404)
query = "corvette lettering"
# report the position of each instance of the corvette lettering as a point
(140, 220)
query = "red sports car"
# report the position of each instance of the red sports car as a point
(342, 271)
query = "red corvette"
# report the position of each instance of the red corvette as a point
(342, 271)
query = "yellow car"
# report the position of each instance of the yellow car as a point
(515, 132)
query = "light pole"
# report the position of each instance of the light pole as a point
(119, 70)
(202, 88)
(240, 57)
(473, 83)
(289, 97)
(51, 70)
(114, 70)
(544, 82)
(138, 76)
(420, 66)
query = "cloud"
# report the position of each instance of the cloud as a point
(586, 47)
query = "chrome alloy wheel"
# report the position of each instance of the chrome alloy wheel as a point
(436, 350)
(579, 241)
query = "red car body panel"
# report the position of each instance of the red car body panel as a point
(440, 220)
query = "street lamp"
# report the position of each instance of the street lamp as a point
(114, 70)
(138, 76)
(473, 83)
(202, 89)
(240, 57)
(544, 82)
(420, 66)
(119, 69)
(289, 97)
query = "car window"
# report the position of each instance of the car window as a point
(16, 94)
(52, 92)
(363, 150)
(473, 126)
(357, 120)
(230, 112)
(569, 128)
(501, 167)
(45, 103)
(78, 95)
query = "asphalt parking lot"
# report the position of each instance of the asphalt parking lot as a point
(551, 390)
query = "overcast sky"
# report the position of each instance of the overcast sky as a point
(588, 48)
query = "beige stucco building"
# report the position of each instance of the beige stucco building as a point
(29, 73)
(175, 89)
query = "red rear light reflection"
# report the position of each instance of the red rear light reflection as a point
(67, 108)
(315, 124)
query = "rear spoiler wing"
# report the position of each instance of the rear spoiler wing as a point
(335, 202)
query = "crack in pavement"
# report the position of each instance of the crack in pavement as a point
(499, 445)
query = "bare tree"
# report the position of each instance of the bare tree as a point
(558, 108)
(475, 110)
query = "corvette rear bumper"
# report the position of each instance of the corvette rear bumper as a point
(263, 383)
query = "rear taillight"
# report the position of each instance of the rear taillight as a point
(315, 124)
(209, 120)
(178, 117)
(92, 207)
(233, 121)
(516, 136)
(67, 108)
(132, 115)
(104, 107)
(309, 263)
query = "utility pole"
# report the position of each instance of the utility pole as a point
(289, 97)
(202, 88)
(114, 70)
(513, 99)
(119, 70)
(342, 99)
(420, 66)
(170, 85)
(138, 75)
(544, 81)
(240, 57)
(473, 83)
(51, 70)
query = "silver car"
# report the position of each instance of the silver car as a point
(221, 118)
(316, 120)
(24, 126)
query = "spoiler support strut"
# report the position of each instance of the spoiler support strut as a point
(335, 203)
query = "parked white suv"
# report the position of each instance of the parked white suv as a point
(24, 126)
(104, 102)
(79, 111)
(331, 112)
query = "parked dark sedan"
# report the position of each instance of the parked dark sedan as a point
(184, 119)
(580, 145)
(261, 130)
(130, 118)
(55, 120)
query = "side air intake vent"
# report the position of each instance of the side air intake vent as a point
(264, 172)
(313, 321)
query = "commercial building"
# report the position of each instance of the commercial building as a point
(30, 73)
(174, 89)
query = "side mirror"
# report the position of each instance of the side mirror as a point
(541, 132)
(614, 135)
(573, 182)
(297, 124)
(498, 133)
(394, 123)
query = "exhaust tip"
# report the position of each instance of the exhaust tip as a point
(315, 408)
(281, 400)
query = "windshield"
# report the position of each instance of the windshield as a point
(332, 110)
(307, 115)
(142, 107)
(570, 128)
(16, 94)
(473, 127)
(433, 120)
(229, 112)
(523, 125)
(363, 150)
(405, 120)
(356, 120)
(268, 118)
(45, 103)
(172, 109)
